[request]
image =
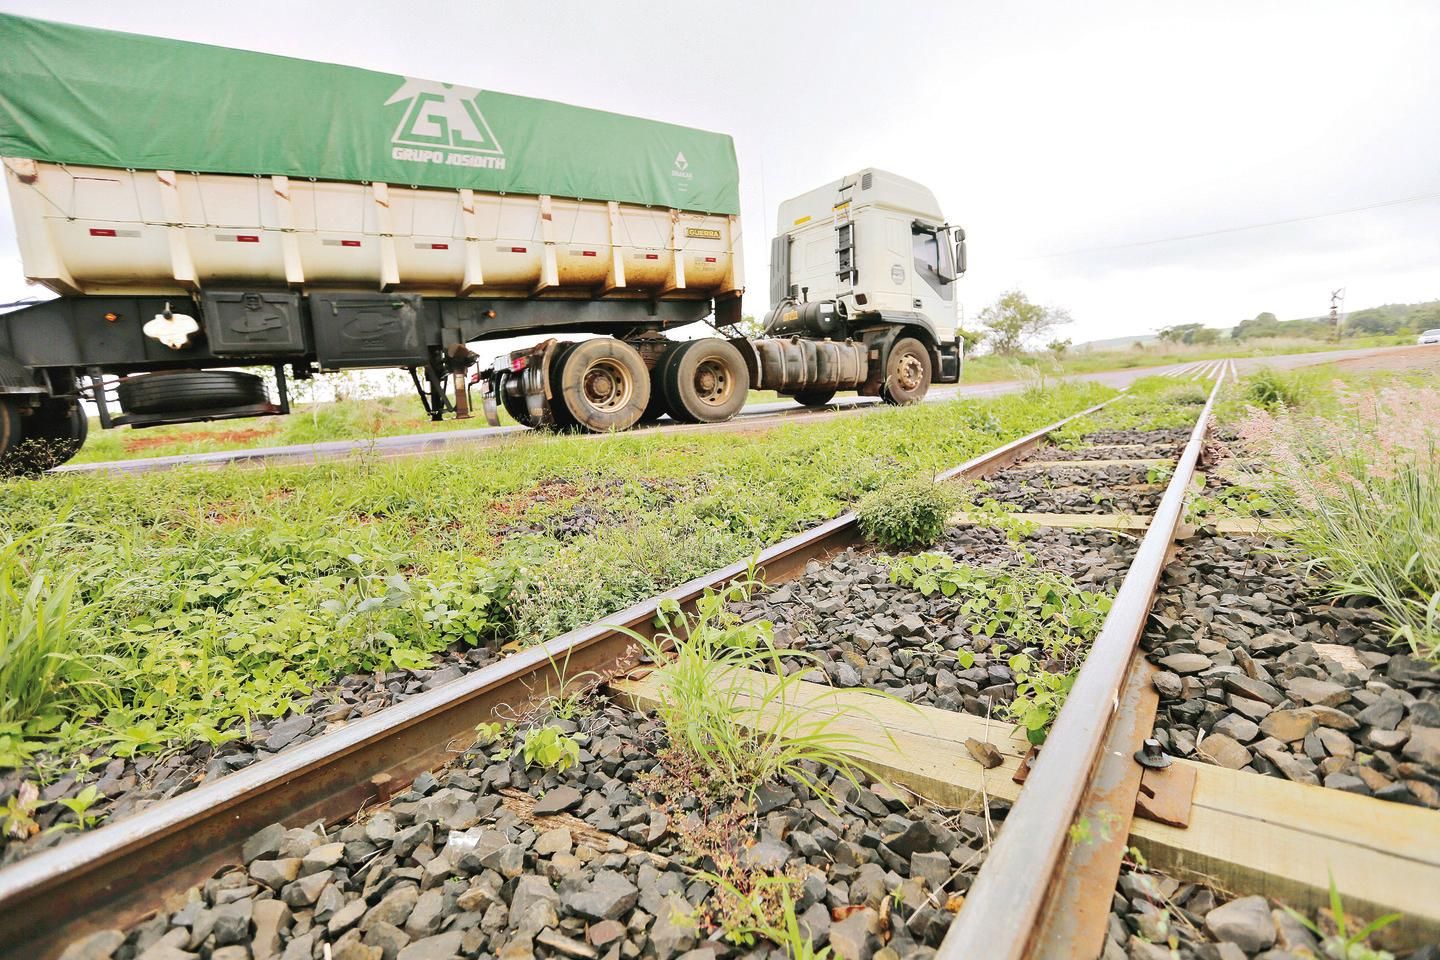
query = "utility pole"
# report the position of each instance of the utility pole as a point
(1337, 303)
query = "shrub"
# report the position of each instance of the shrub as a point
(1271, 389)
(908, 513)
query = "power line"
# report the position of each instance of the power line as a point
(1251, 226)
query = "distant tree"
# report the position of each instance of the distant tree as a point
(1058, 347)
(1265, 325)
(970, 338)
(1189, 333)
(1013, 320)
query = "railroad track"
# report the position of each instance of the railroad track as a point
(1043, 889)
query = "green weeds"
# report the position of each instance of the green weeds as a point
(551, 748)
(1044, 616)
(1349, 940)
(742, 734)
(908, 512)
(1272, 389)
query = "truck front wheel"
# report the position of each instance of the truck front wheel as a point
(603, 384)
(907, 372)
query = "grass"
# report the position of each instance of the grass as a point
(988, 368)
(1360, 480)
(743, 738)
(203, 599)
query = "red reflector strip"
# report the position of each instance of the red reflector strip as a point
(246, 238)
(101, 232)
(709, 259)
(587, 253)
(349, 243)
(652, 256)
(439, 246)
(517, 249)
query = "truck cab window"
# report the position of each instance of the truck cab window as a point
(926, 248)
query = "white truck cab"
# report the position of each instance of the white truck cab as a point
(869, 252)
(873, 241)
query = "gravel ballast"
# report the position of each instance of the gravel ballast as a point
(1259, 673)
(494, 859)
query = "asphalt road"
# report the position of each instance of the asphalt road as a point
(751, 417)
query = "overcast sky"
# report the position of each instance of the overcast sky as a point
(1065, 136)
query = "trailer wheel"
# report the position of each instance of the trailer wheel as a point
(657, 407)
(603, 385)
(53, 434)
(182, 391)
(705, 381)
(814, 398)
(560, 417)
(907, 372)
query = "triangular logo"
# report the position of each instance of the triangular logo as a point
(680, 162)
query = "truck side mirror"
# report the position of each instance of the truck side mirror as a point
(960, 257)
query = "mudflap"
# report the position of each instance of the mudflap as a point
(489, 391)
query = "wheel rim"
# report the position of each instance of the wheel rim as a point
(909, 372)
(607, 385)
(713, 383)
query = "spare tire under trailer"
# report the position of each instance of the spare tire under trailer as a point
(182, 391)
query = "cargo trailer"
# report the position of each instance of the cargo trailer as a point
(200, 209)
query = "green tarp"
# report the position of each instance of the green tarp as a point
(79, 95)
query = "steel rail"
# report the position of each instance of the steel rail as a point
(1003, 911)
(116, 875)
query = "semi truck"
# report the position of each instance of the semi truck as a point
(202, 212)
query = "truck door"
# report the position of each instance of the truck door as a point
(933, 264)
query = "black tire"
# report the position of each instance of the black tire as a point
(907, 372)
(814, 398)
(53, 434)
(560, 417)
(657, 407)
(186, 390)
(515, 406)
(705, 381)
(603, 385)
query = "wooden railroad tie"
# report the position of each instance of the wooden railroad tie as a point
(1246, 833)
(1128, 523)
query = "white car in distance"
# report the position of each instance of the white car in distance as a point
(1429, 337)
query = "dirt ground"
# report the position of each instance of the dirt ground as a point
(1411, 360)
